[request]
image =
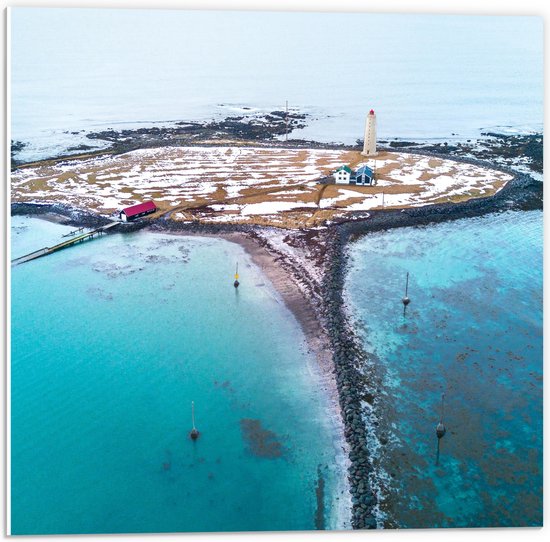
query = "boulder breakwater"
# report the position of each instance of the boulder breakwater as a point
(357, 385)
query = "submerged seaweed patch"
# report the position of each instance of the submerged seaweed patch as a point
(261, 442)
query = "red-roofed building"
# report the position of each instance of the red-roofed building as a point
(135, 211)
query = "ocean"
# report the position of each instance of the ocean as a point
(473, 331)
(111, 340)
(427, 76)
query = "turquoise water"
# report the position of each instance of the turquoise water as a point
(473, 331)
(111, 340)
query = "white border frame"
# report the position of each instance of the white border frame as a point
(470, 7)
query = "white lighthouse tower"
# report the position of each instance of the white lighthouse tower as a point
(369, 146)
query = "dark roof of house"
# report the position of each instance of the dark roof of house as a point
(364, 169)
(140, 208)
(345, 168)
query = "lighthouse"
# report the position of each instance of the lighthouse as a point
(369, 146)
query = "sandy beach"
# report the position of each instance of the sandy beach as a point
(277, 270)
(284, 273)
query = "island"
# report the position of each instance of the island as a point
(241, 178)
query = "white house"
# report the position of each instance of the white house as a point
(364, 176)
(343, 175)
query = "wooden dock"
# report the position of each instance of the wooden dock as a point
(50, 250)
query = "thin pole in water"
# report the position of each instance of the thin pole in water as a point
(286, 121)
(406, 299)
(440, 429)
(236, 283)
(194, 434)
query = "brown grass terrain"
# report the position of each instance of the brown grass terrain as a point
(269, 186)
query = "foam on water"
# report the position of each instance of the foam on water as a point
(111, 341)
(474, 332)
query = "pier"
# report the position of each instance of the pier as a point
(50, 250)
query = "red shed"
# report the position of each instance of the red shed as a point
(135, 211)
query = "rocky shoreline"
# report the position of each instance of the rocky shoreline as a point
(274, 128)
(354, 386)
(326, 250)
(259, 130)
(500, 149)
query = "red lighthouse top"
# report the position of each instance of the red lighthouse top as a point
(371, 112)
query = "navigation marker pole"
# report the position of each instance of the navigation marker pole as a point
(440, 429)
(286, 122)
(194, 434)
(406, 299)
(236, 283)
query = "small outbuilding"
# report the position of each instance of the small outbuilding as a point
(364, 176)
(137, 211)
(343, 175)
